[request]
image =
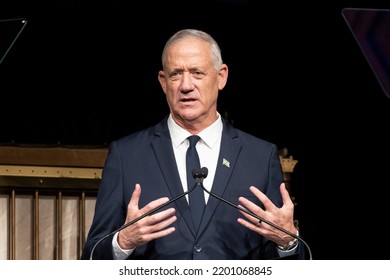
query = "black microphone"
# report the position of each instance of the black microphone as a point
(199, 179)
(200, 174)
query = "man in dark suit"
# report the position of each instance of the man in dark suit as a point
(147, 168)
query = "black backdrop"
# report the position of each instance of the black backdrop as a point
(86, 73)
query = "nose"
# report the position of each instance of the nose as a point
(187, 84)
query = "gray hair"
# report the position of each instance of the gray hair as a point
(215, 50)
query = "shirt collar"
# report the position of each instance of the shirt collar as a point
(209, 135)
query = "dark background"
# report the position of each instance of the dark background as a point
(85, 73)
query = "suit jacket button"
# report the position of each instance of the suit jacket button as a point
(198, 248)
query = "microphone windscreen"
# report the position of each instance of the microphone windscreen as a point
(203, 172)
(195, 173)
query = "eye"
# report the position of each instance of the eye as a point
(175, 76)
(198, 74)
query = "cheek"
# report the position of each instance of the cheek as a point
(171, 95)
(213, 96)
(171, 88)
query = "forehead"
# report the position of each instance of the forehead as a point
(188, 50)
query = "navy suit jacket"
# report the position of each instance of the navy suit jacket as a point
(147, 157)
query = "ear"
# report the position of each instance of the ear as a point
(222, 76)
(161, 79)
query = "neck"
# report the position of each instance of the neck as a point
(195, 126)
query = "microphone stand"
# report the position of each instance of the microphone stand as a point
(198, 182)
(200, 175)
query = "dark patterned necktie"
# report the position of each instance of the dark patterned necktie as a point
(196, 197)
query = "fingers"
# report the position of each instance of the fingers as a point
(252, 219)
(148, 234)
(159, 220)
(263, 198)
(135, 197)
(282, 217)
(253, 207)
(266, 201)
(255, 226)
(249, 205)
(158, 234)
(148, 229)
(160, 224)
(285, 195)
(134, 201)
(149, 224)
(154, 204)
(134, 211)
(269, 208)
